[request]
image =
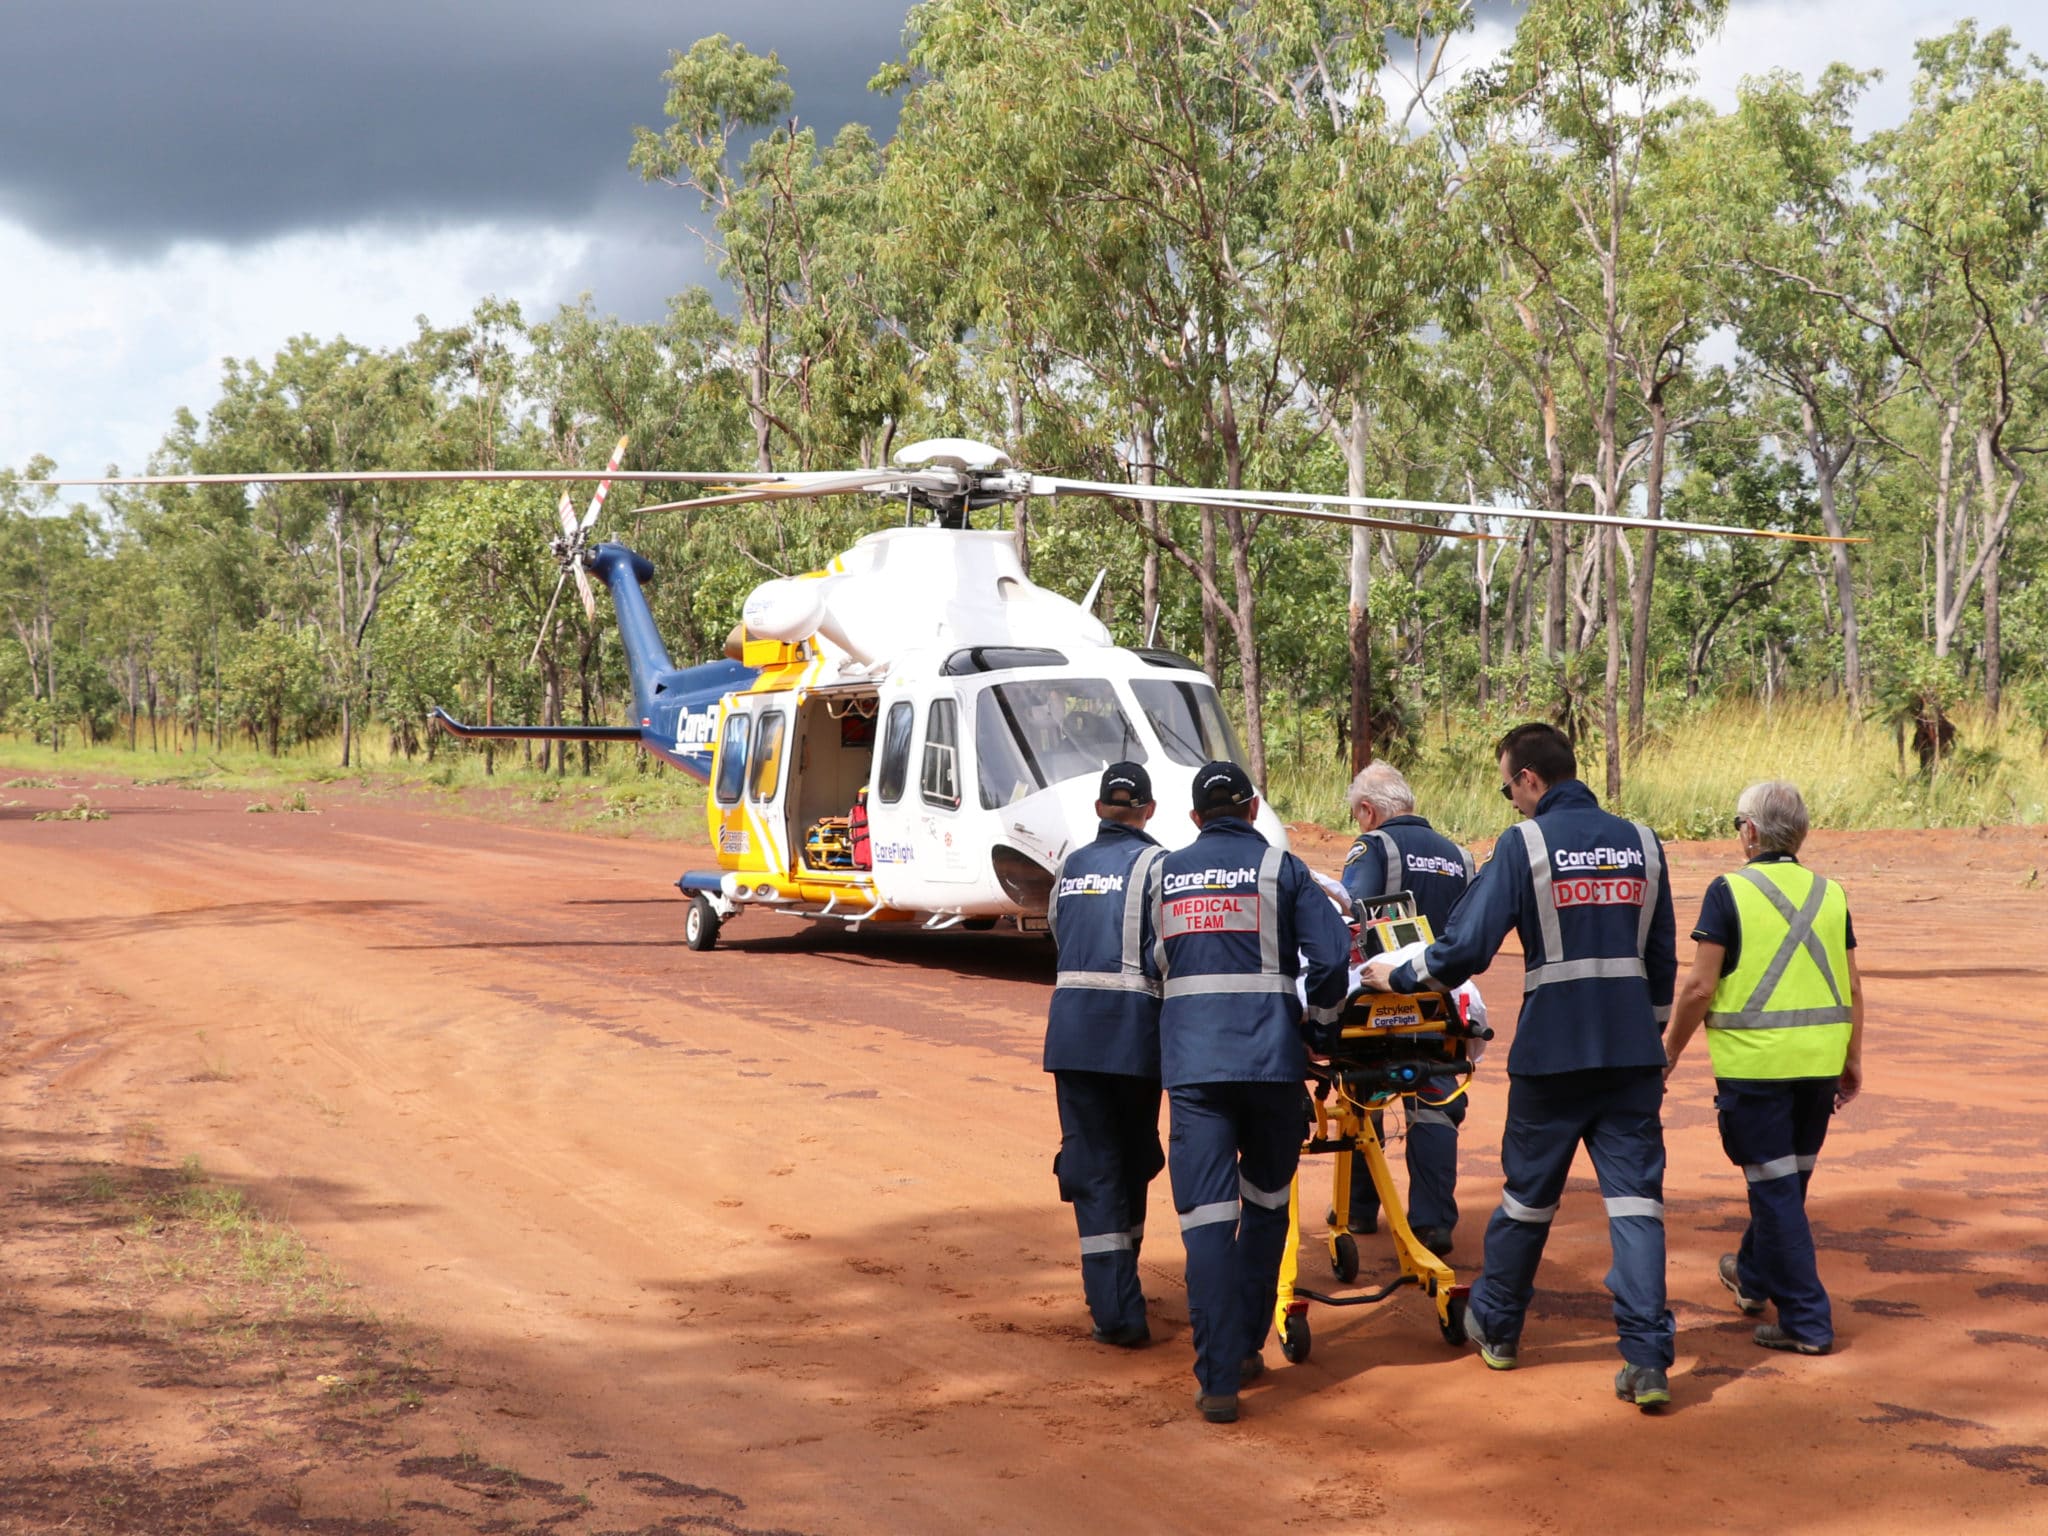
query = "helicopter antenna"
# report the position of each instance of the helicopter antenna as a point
(1094, 590)
(1152, 632)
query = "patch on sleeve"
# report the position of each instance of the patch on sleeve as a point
(1184, 915)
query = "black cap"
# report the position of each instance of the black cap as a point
(1125, 784)
(1220, 786)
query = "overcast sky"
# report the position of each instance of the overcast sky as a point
(184, 183)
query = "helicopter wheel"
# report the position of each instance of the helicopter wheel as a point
(1295, 1342)
(1344, 1256)
(700, 923)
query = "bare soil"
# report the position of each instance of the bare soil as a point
(608, 1236)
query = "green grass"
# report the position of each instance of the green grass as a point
(1699, 759)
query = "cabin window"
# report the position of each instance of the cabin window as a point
(732, 758)
(1030, 735)
(1189, 721)
(896, 752)
(768, 734)
(940, 781)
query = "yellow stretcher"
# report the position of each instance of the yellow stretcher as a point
(1386, 1046)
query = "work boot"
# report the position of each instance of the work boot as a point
(1218, 1407)
(1771, 1336)
(1253, 1367)
(1436, 1239)
(1645, 1386)
(1133, 1336)
(1498, 1357)
(1748, 1306)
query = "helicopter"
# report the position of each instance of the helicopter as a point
(915, 733)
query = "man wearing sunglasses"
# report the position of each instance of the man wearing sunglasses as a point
(1774, 980)
(1587, 894)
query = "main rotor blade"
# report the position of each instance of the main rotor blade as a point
(1050, 485)
(426, 477)
(583, 587)
(796, 487)
(1295, 499)
(565, 509)
(597, 506)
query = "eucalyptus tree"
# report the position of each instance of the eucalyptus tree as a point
(1582, 106)
(1780, 179)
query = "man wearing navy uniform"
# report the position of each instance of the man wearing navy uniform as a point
(1587, 893)
(1397, 851)
(1102, 1048)
(1238, 922)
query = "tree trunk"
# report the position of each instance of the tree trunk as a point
(1646, 572)
(1145, 440)
(1992, 668)
(1359, 613)
(1212, 629)
(1827, 469)
(1022, 514)
(1610, 713)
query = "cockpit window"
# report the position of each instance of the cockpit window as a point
(1189, 721)
(1030, 735)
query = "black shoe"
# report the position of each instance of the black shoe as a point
(1645, 1386)
(1253, 1367)
(1771, 1336)
(1365, 1228)
(1436, 1239)
(1136, 1336)
(1218, 1407)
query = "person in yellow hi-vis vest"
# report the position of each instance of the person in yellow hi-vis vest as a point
(1774, 980)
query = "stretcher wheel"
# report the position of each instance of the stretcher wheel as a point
(1453, 1324)
(700, 923)
(1344, 1256)
(1295, 1342)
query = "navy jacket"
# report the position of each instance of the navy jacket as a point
(1422, 860)
(1587, 892)
(1105, 1003)
(1238, 921)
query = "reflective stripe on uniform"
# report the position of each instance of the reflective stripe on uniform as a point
(1538, 1215)
(1799, 936)
(1634, 1205)
(1191, 986)
(1423, 1114)
(1271, 1199)
(1269, 912)
(1600, 968)
(1111, 1242)
(1108, 981)
(1208, 1215)
(1662, 1014)
(1471, 869)
(1546, 899)
(1776, 1168)
(1779, 1018)
(1806, 1163)
(1390, 856)
(1653, 877)
(1134, 918)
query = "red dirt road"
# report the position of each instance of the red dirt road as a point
(770, 1234)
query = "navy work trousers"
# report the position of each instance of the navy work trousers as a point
(1431, 1146)
(1232, 1152)
(1773, 1132)
(1616, 1112)
(1109, 1154)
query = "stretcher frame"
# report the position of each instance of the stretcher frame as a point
(1385, 1046)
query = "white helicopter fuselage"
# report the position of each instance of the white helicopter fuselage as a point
(976, 709)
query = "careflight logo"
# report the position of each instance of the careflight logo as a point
(1210, 879)
(1091, 885)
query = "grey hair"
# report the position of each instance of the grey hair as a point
(1776, 810)
(1381, 785)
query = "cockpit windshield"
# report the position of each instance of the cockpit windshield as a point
(1189, 720)
(1028, 735)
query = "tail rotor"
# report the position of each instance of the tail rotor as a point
(568, 551)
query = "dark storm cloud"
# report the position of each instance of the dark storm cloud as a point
(128, 124)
